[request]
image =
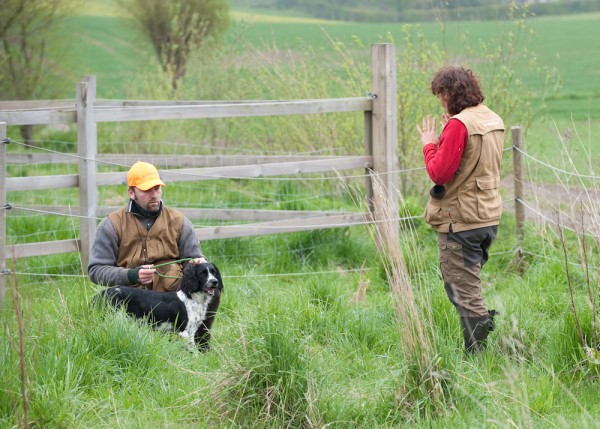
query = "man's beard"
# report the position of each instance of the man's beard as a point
(153, 206)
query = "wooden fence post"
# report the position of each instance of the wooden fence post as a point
(87, 142)
(2, 210)
(368, 125)
(385, 130)
(517, 141)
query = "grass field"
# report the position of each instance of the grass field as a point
(120, 58)
(564, 42)
(296, 344)
(568, 43)
(308, 333)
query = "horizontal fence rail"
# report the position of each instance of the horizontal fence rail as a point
(329, 164)
(66, 113)
(174, 160)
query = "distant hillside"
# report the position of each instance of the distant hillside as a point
(416, 10)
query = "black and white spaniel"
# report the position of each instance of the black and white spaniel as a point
(190, 310)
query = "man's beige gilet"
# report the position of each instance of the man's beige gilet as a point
(472, 198)
(138, 246)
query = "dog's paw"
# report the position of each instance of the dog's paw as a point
(203, 348)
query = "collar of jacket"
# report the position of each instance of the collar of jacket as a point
(134, 208)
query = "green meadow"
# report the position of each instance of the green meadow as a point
(311, 332)
(123, 61)
(114, 52)
(568, 43)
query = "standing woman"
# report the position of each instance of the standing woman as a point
(465, 204)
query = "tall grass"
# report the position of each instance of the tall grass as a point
(577, 220)
(424, 383)
(292, 347)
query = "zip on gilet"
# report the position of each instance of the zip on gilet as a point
(472, 198)
(138, 246)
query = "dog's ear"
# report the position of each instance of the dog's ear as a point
(218, 275)
(188, 281)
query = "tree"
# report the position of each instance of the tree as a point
(25, 26)
(177, 28)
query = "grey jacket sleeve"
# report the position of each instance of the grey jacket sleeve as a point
(102, 267)
(188, 244)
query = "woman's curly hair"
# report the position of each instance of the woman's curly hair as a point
(458, 87)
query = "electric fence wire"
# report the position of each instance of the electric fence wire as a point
(274, 227)
(216, 176)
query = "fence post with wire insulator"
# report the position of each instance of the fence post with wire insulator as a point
(517, 141)
(3, 143)
(87, 139)
(383, 125)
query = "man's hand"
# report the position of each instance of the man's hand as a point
(145, 274)
(427, 133)
(198, 261)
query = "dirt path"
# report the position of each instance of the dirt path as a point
(543, 204)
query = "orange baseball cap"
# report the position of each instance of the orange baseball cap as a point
(143, 176)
